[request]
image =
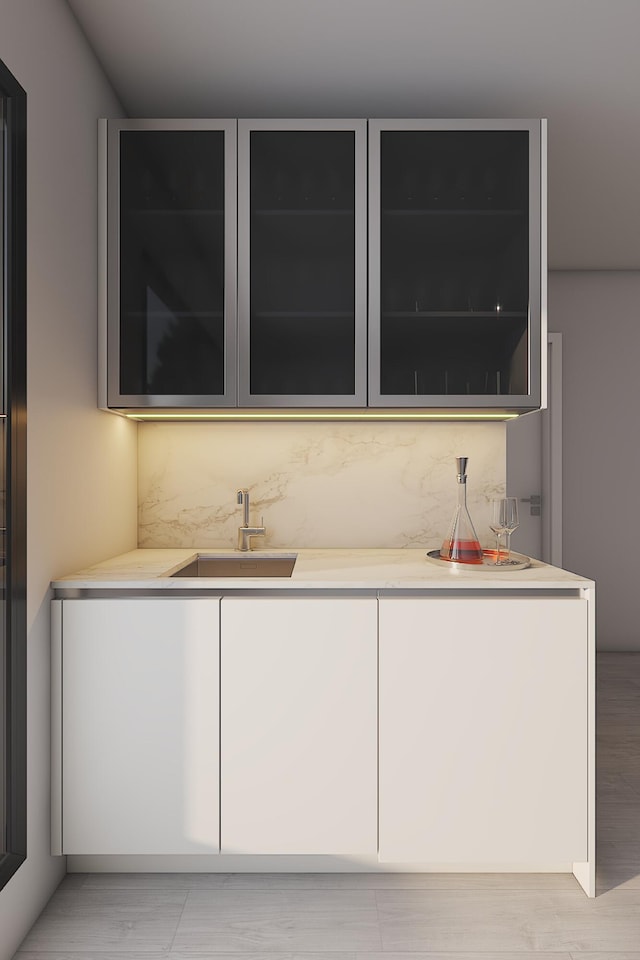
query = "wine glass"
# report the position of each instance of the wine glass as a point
(511, 521)
(504, 520)
(497, 523)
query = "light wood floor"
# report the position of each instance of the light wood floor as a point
(364, 917)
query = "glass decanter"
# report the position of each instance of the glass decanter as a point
(461, 544)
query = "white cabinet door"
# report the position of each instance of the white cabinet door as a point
(140, 726)
(483, 730)
(298, 726)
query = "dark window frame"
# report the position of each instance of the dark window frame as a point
(14, 850)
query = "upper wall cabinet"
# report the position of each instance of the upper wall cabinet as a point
(457, 264)
(302, 252)
(171, 255)
(447, 218)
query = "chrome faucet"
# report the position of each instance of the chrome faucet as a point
(245, 532)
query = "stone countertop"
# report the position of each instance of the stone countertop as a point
(315, 569)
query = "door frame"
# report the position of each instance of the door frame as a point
(552, 456)
(13, 413)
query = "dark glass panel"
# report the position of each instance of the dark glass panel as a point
(302, 170)
(302, 262)
(453, 355)
(172, 262)
(302, 355)
(455, 262)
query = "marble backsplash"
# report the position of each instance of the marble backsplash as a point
(315, 484)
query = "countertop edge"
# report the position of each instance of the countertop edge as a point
(322, 569)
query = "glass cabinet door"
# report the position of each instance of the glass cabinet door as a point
(302, 256)
(455, 272)
(172, 233)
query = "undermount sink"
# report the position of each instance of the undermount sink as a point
(240, 566)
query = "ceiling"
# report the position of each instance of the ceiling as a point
(576, 62)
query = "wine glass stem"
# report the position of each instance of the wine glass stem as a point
(507, 550)
(497, 548)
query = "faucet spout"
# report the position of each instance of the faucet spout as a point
(243, 498)
(245, 532)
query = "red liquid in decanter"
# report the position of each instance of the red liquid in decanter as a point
(461, 551)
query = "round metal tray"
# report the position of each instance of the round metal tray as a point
(518, 562)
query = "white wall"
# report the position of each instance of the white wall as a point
(81, 462)
(598, 314)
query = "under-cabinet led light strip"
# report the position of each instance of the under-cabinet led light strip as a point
(264, 415)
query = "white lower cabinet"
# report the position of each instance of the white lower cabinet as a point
(139, 725)
(299, 726)
(430, 730)
(483, 730)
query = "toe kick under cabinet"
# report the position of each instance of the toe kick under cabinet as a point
(393, 731)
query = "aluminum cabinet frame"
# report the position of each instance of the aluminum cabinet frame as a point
(537, 321)
(245, 397)
(109, 393)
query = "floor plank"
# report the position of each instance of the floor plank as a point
(615, 787)
(80, 920)
(200, 955)
(605, 956)
(172, 955)
(528, 955)
(482, 922)
(273, 920)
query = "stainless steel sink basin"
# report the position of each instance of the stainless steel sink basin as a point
(241, 566)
